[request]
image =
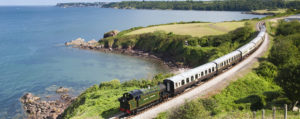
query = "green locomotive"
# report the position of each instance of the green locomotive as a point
(139, 99)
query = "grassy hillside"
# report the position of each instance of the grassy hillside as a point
(193, 29)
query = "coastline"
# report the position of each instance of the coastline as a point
(171, 66)
(38, 107)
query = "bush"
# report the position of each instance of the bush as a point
(162, 115)
(110, 84)
(267, 69)
(190, 110)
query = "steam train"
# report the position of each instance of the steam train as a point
(139, 99)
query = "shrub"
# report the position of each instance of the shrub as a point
(267, 70)
(110, 84)
(162, 115)
(190, 110)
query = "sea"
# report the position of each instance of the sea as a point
(33, 57)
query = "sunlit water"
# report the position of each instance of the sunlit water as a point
(33, 57)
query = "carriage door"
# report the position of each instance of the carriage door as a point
(168, 86)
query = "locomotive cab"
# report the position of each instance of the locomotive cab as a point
(124, 102)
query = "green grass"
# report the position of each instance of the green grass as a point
(193, 29)
(101, 101)
(236, 100)
(98, 103)
(239, 95)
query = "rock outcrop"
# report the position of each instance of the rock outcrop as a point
(111, 33)
(81, 42)
(35, 108)
(78, 42)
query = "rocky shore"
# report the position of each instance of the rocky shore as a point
(36, 108)
(94, 45)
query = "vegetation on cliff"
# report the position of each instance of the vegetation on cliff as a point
(182, 49)
(226, 5)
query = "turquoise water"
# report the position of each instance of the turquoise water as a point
(34, 59)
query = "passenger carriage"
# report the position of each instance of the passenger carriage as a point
(180, 82)
(246, 49)
(227, 60)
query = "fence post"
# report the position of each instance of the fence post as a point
(254, 114)
(263, 114)
(274, 111)
(285, 111)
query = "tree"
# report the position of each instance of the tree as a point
(289, 80)
(283, 53)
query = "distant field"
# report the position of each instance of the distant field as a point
(269, 11)
(193, 29)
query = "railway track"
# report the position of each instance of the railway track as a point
(198, 89)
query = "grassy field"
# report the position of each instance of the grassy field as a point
(193, 29)
(265, 11)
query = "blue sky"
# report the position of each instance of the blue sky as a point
(44, 2)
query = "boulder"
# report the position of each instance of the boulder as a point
(29, 98)
(62, 90)
(111, 33)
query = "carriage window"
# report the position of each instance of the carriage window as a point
(205, 72)
(176, 85)
(192, 78)
(196, 76)
(202, 74)
(213, 69)
(209, 70)
(187, 80)
(182, 82)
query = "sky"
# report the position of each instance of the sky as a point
(45, 2)
(51, 2)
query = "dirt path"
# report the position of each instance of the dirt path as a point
(210, 87)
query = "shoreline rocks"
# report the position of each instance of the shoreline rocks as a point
(35, 108)
(80, 42)
(94, 45)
